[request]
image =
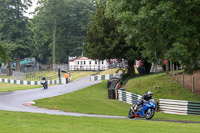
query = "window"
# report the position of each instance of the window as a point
(78, 62)
(102, 62)
(84, 62)
(90, 62)
(95, 62)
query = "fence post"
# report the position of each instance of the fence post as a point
(173, 69)
(183, 78)
(193, 87)
(176, 72)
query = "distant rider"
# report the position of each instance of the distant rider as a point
(145, 97)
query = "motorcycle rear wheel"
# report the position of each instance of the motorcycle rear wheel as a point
(131, 114)
(149, 113)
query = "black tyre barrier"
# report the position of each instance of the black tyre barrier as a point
(112, 86)
(111, 94)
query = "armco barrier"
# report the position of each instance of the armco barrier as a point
(102, 77)
(165, 105)
(128, 97)
(179, 107)
(22, 82)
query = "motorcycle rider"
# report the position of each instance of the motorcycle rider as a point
(145, 97)
(44, 83)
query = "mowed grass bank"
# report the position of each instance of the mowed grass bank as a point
(79, 74)
(4, 87)
(19, 122)
(162, 86)
(94, 100)
(53, 75)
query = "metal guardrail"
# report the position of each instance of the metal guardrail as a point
(128, 97)
(165, 105)
(179, 107)
(103, 77)
(22, 82)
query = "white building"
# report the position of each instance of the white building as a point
(85, 64)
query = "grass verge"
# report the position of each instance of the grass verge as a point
(163, 87)
(19, 122)
(94, 100)
(53, 75)
(4, 87)
(79, 74)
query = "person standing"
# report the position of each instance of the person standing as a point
(66, 77)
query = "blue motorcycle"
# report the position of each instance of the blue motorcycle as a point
(147, 110)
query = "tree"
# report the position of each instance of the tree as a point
(161, 29)
(71, 23)
(13, 27)
(106, 42)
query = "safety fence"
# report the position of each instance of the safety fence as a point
(88, 67)
(128, 97)
(165, 105)
(179, 107)
(22, 82)
(102, 77)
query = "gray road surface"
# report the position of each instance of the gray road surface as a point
(20, 100)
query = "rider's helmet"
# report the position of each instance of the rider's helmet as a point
(150, 94)
(43, 78)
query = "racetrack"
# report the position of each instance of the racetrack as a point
(21, 100)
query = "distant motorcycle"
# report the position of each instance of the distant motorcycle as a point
(44, 83)
(147, 110)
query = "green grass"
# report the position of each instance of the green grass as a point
(94, 100)
(4, 87)
(109, 71)
(19, 122)
(79, 74)
(168, 88)
(53, 75)
(112, 71)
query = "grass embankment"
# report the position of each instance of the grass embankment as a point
(109, 71)
(53, 75)
(162, 86)
(19, 122)
(4, 87)
(79, 74)
(113, 71)
(94, 100)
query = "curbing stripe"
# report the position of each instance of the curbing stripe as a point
(18, 82)
(23, 82)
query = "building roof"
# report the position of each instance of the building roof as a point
(71, 59)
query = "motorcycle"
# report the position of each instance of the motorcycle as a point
(147, 110)
(44, 83)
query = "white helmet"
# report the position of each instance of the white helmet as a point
(150, 93)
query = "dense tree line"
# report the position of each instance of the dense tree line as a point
(67, 21)
(151, 30)
(56, 31)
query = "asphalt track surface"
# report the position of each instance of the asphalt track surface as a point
(22, 100)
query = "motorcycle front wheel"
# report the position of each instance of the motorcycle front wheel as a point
(149, 113)
(131, 113)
